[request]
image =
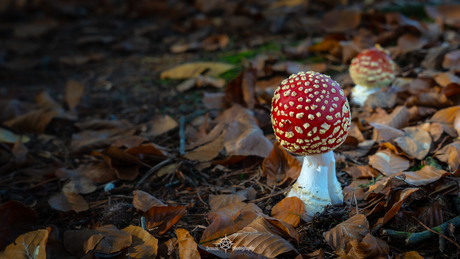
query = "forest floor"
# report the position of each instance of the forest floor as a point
(141, 129)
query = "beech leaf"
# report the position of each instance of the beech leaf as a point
(188, 248)
(290, 210)
(163, 218)
(356, 227)
(144, 201)
(29, 245)
(388, 163)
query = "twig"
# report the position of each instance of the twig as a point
(143, 223)
(151, 171)
(182, 136)
(438, 233)
(266, 197)
(413, 238)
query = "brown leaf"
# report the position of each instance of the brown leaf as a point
(452, 60)
(125, 164)
(15, 219)
(104, 240)
(99, 173)
(68, 201)
(280, 165)
(360, 172)
(450, 154)
(356, 227)
(432, 215)
(426, 175)
(163, 218)
(162, 124)
(78, 183)
(29, 245)
(395, 204)
(232, 210)
(369, 247)
(147, 149)
(208, 151)
(73, 93)
(32, 122)
(214, 42)
(241, 90)
(289, 210)
(444, 79)
(409, 42)
(430, 99)
(386, 133)
(415, 142)
(187, 246)
(262, 237)
(219, 201)
(448, 13)
(388, 163)
(412, 255)
(341, 20)
(13, 108)
(399, 118)
(144, 201)
(143, 244)
(354, 190)
(446, 115)
(190, 70)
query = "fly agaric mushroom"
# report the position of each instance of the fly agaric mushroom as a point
(311, 117)
(370, 70)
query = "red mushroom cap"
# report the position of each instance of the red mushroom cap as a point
(372, 68)
(310, 114)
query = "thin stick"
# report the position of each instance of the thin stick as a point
(151, 171)
(266, 197)
(429, 229)
(182, 136)
(356, 203)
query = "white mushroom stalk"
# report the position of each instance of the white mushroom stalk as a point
(317, 185)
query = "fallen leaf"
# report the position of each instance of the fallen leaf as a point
(432, 216)
(450, 154)
(388, 163)
(104, 240)
(32, 122)
(188, 248)
(387, 133)
(415, 142)
(241, 90)
(262, 237)
(125, 164)
(208, 151)
(67, 202)
(13, 108)
(163, 218)
(77, 184)
(15, 219)
(73, 93)
(29, 245)
(99, 173)
(446, 115)
(444, 79)
(147, 149)
(289, 210)
(448, 13)
(162, 124)
(394, 205)
(144, 201)
(409, 42)
(426, 175)
(355, 228)
(354, 190)
(219, 201)
(361, 172)
(452, 60)
(214, 42)
(279, 165)
(190, 70)
(341, 20)
(143, 244)
(369, 247)
(412, 255)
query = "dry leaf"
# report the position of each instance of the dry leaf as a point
(341, 20)
(262, 237)
(450, 154)
(208, 151)
(385, 132)
(73, 93)
(29, 245)
(388, 163)
(241, 90)
(104, 240)
(144, 201)
(214, 42)
(289, 210)
(15, 219)
(395, 204)
(99, 173)
(452, 60)
(32, 122)
(369, 247)
(280, 165)
(360, 172)
(188, 248)
(409, 42)
(219, 201)
(355, 227)
(444, 79)
(446, 115)
(426, 175)
(190, 70)
(147, 149)
(412, 255)
(143, 244)
(448, 13)
(415, 142)
(162, 124)
(163, 218)
(68, 201)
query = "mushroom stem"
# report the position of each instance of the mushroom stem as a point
(317, 185)
(360, 93)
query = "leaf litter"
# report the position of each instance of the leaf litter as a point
(153, 137)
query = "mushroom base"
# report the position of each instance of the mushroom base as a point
(360, 93)
(317, 185)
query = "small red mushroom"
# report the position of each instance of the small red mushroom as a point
(370, 70)
(311, 117)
